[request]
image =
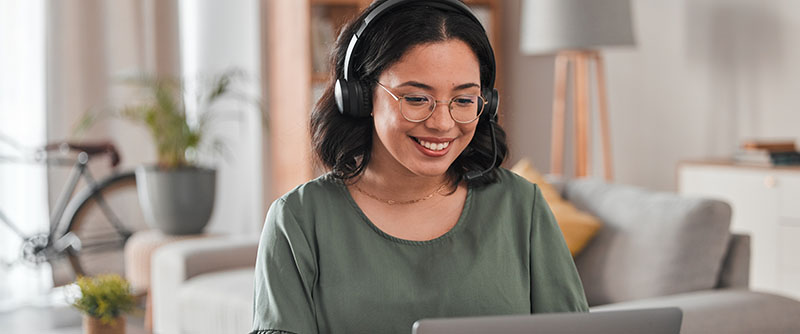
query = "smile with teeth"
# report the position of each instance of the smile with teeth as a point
(432, 146)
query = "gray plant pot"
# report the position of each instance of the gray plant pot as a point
(176, 201)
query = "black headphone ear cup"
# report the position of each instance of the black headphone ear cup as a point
(492, 102)
(351, 99)
(342, 96)
(356, 99)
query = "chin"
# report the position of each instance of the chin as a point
(430, 171)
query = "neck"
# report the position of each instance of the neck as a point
(397, 183)
(399, 187)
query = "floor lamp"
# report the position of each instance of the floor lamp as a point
(574, 30)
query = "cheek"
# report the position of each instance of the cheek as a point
(383, 114)
(469, 131)
(388, 128)
(384, 124)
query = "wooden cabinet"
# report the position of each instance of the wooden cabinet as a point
(766, 205)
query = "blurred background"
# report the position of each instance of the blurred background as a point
(700, 77)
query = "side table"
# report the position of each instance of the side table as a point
(138, 253)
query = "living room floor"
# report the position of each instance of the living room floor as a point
(55, 320)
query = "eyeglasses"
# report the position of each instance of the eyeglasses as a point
(417, 108)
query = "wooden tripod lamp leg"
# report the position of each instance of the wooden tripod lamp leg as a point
(602, 107)
(581, 112)
(559, 105)
(580, 61)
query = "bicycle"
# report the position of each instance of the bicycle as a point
(88, 226)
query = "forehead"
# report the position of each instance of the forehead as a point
(450, 62)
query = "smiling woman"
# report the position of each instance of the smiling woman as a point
(415, 219)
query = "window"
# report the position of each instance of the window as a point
(23, 187)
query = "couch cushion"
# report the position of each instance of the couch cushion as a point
(218, 302)
(652, 244)
(576, 226)
(725, 311)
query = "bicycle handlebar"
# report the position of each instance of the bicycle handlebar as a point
(103, 147)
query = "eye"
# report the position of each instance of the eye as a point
(416, 100)
(465, 100)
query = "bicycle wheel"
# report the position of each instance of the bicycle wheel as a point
(102, 219)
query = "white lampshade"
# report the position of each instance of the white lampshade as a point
(551, 25)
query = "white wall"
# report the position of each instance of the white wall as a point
(705, 74)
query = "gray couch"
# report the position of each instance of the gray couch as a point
(655, 249)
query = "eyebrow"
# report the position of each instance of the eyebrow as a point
(427, 87)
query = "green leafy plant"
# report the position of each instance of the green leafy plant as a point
(104, 297)
(162, 109)
(164, 113)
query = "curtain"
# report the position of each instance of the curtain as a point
(23, 188)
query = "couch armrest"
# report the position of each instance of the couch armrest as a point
(177, 262)
(735, 272)
(725, 311)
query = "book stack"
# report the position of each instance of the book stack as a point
(768, 153)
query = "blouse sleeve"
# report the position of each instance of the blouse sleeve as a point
(555, 284)
(284, 276)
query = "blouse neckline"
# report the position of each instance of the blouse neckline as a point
(447, 235)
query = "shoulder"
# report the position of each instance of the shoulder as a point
(306, 199)
(510, 184)
(322, 188)
(510, 193)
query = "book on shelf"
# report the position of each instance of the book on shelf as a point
(773, 145)
(768, 152)
(764, 157)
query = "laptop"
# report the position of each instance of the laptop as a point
(651, 321)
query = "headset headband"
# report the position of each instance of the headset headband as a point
(452, 5)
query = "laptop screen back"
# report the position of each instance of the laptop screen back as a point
(651, 321)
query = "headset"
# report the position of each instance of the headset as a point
(352, 94)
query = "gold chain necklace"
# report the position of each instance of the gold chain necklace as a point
(393, 202)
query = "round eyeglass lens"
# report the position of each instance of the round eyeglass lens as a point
(417, 107)
(466, 108)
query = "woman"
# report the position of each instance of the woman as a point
(415, 219)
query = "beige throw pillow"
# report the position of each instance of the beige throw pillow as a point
(577, 226)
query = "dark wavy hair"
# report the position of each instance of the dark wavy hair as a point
(343, 143)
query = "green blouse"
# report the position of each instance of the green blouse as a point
(323, 267)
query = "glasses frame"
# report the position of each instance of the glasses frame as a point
(433, 106)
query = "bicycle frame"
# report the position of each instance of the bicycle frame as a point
(58, 237)
(77, 171)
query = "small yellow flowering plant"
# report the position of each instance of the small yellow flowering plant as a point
(104, 297)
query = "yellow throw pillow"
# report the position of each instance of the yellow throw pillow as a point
(577, 226)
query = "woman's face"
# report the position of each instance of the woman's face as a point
(442, 70)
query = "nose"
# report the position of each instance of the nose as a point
(440, 119)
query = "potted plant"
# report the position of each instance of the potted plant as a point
(177, 193)
(103, 301)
